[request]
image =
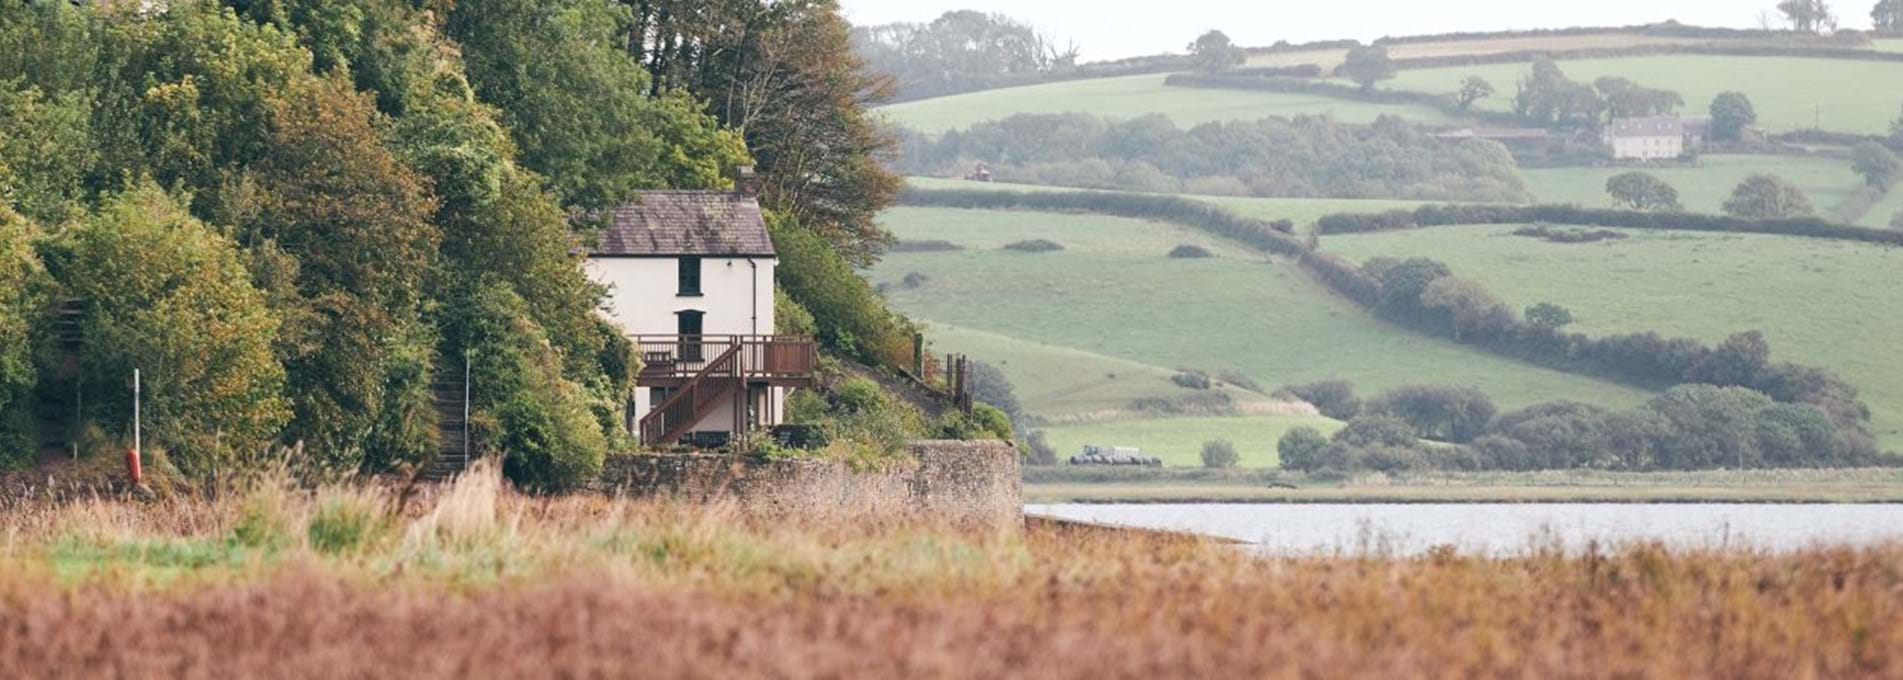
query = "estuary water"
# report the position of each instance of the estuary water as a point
(1502, 529)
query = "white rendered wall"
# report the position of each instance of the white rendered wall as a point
(736, 297)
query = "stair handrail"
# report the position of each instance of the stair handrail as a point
(727, 361)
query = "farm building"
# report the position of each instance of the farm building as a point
(690, 280)
(1654, 137)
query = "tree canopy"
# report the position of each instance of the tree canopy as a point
(1643, 191)
(1731, 113)
(1767, 196)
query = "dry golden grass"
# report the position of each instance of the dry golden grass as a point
(477, 580)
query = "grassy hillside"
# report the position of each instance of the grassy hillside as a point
(1302, 211)
(1702, 189)
(1130, 97)
(1179, 441)
(1329, 59)
(1827, 303)
(1846, 96)
(1122, 298)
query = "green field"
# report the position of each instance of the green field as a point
(1122, 298)
(1302, 211)
(1703, 189)
(1890, 45)
(1826, 303)
(1885, 210)
(1130, 97)
(1179, 441)
(1788, 92)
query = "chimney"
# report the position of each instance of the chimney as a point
(745, 182)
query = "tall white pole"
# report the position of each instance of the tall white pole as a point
(138, 447)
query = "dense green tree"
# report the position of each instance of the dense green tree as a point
(783, 73)
(580, 107)
(22, 296)
(1627, 99)
(1213, 51)
(1739, 360)
(1878, 165)
(1451, 414)
(1548, 98)
(1220, 454)
(852, 320)
(1472, 90)
(1808, 16)
(1547, 316)
(1368, 65)
(1643, 191)
(1301, 448)
(1887, 16)
(168, 295)
(46, 146)
(1768, 197)
(1470, 310)
(1731, 113)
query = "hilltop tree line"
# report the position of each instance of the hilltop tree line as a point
(292, 215)
(959, 51)
(1688, 427)
(1301, 157)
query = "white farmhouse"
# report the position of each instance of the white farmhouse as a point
(1654, 137)
(690, 280)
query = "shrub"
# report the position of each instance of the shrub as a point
(1547, 316)
(1333, 398)
(1241, 380)
(1034, 246)
(991, 386)
(914, 280)
(924, 247)
(1037, 450)
(1547, 233)
(1767, 196)
(1190, 252)
(1301, 449)
(850, 319)
(1220, 453)
(166, 294)
(527, 410)
(1193, 380)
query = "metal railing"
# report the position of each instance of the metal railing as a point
(716, 379)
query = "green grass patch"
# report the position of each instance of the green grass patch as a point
(1131, 97)
(1268, 320)
(1788, 92)
(1061, 383)
(1889, 45)
(1704, 188)
(1179, 441)
(1885, 210)
(1826, 303)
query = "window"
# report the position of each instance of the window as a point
(690, 276)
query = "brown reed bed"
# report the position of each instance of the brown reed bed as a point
(480, 581)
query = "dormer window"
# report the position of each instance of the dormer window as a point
(689, 276)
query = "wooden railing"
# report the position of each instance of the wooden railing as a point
(676, 357)
(694, 399)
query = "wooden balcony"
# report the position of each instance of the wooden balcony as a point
(775, 360)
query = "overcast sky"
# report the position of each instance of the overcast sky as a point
(1108, 29)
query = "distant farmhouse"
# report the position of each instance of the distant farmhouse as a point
(690, 280)
(1655, 137)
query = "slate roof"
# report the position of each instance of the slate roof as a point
(674, 223)
(1656, 126)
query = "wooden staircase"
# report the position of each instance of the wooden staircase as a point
(450, 392)
(56, 414)
(693, 400)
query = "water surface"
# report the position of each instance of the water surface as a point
(1490, 528)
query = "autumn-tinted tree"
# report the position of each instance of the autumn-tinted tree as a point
(1731, 113)
(168, 295)
(1473, 89)
(1214, 51)
(783, 73)
(355, 220)
(1643, 191)
(1768, 197)
(1368, 65)
(1878, 165)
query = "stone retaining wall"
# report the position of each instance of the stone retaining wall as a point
(973, 483)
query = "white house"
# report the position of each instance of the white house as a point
(690, 279)
(1654, 137)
